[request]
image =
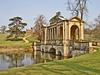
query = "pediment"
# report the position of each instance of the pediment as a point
(76, 19)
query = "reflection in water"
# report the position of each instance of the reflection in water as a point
(23, 59)
(15, 60)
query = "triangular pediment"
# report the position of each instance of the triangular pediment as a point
(76, 19)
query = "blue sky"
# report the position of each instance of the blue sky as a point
(30, 9)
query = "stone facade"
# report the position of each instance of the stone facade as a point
(56, 37)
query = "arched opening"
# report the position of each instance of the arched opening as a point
(59, 53)
(74, 32)
(52, 50)
(42, 50)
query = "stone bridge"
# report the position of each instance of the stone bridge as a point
(62, 37)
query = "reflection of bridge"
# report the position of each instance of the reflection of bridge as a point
(45, 57)
(57, 38)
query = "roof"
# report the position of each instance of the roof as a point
(44, 25)
(76, 18)
(62, 18)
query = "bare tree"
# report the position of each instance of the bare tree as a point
(39, 22)
(3, 29)
(98, 21)
(77, 7)
(96, 30)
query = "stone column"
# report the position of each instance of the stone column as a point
(50, 34)
(45, 38)
(54, 33)
(58, 33)
(82, 31)
(64, 32)
(66, 37)
(80, 34)
(43, 35)
(67, 30)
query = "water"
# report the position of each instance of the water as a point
(22, 59)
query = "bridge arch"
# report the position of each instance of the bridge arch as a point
(74, 33)
(52, 50)
(42, 50)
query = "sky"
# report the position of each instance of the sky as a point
(30, 9)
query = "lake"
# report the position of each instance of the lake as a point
(11, 60)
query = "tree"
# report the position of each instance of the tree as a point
(96, 30)
(39, 22)
(78, 7)
(16, 27)
(3, 29)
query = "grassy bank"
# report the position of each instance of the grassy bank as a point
(88, 64)
(4, 42)
(32, 38)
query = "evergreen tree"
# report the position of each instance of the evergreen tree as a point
(16, 27)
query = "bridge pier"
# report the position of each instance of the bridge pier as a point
(66, 51)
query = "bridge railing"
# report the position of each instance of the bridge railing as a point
(54, 42)
(79, 45)
(36, 43)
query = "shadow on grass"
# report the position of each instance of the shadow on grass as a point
(14, 39)
(52, 70)
(79, 68)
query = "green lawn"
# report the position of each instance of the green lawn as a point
(32, 38)
(4, 42)
(88, 64)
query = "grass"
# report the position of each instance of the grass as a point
(88, 64)
(4, 42)
(32, 38)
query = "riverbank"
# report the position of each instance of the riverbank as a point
(88, 64)
(4, 50)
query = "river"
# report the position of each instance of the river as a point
(25, 58)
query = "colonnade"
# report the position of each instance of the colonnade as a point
(52, 34)
(63, 31)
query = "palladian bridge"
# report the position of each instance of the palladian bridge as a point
(63, 37)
